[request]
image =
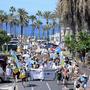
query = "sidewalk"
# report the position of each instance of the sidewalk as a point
(88, 84)
(7, 87)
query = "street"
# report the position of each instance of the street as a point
(44, 85)
(36, 85)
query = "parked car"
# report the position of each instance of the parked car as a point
(2, 75)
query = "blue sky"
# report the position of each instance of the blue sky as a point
(32, 6)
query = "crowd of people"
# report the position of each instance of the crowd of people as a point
(38, 56)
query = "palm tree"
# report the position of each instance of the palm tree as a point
(1, 18)
(43, 34)
(6, 20)
(33, 19)
(75, 13)
(38, 25)
(47, 28)
(15, 24)
(47, 15)
(23, 19)
(39, 14)
(12, 11)
(53, 18)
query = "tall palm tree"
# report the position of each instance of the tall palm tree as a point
(53, 18)
(33, 19)
(43, 33)
(47, 27)
(39, 14)
(12, 11)
(38, 25)
(75, 13)
(1, 19)
(23, 19)
(47, 15)
(6, 20)
(15, 24)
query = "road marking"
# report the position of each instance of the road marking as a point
(16, 88)
(32, 88)
(48, 86)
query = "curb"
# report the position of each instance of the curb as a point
(8, 87)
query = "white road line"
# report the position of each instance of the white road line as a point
(48, 86)
(32, 88)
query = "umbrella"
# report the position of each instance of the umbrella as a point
(58, 50)
(29, 62)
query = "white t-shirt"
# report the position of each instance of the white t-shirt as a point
(8, 71)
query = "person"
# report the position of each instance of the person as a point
(76, 69)
(66, 60)
(8, 71)
(70, 68)
(41, 66)
(65, 73)
(15, 70)
(83, 80)
(76, 84)
(34, 65)
(59, 75)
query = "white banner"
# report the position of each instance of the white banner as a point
(47, 74)
(36, 74)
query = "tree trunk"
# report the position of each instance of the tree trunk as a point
(43, 35)
(33, 31)
(21, 31)
(47, 32)
(15, 31)
(1, 26)
(73, 18)
(60, 31)
(6, 26)
(48, 36)
(39, 33)
(53, 34)
(10, 29)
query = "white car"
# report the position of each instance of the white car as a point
(2, 75)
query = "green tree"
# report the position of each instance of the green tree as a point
(1, 19)
(6, 20)
(70, 42)
(39, 14)
(12, 11)
(38, 25)
(80, 43)
(75, 14)
(53, 18)
(43, 34)
(23, 19)
(83, 41)
(47, 15)
(4, 38)
(33, 19)
(47, 28)
(15, 24)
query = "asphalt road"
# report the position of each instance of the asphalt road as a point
(44, 85)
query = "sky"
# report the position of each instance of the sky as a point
(32, 6)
